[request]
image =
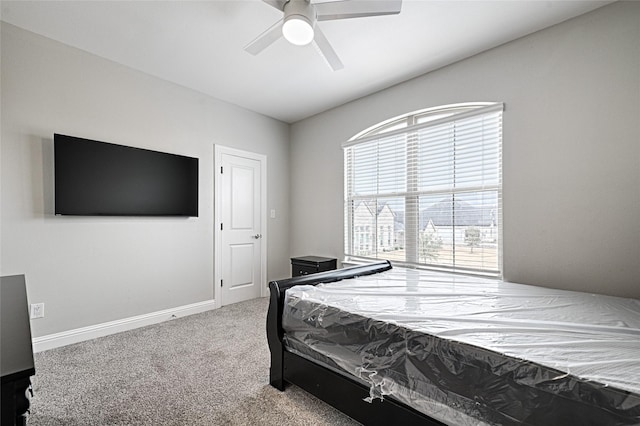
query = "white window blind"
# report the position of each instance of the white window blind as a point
(428, 191)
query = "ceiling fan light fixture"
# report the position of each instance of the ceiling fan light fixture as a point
(299, 23)
(298, 30)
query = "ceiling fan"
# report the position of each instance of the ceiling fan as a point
(298, 24)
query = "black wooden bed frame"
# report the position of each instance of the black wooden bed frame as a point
(339, 391)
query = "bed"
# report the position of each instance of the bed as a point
(404, 346)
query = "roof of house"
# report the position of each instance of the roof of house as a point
(441, 213)
(448, 212)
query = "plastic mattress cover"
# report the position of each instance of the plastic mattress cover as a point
(467, 350)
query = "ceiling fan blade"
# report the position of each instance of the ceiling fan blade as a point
(326, 51)
(345, 9)
(265, 39)
(278, 4)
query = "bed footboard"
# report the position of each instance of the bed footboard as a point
(275, 332)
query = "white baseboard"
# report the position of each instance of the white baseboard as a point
(64, 338)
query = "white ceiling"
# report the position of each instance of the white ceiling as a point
(200, 44)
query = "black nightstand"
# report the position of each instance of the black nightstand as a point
(311, 264)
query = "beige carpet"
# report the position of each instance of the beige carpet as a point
(205, 369)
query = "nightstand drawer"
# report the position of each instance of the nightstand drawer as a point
(311, 264)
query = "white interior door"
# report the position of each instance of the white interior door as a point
(241, 211)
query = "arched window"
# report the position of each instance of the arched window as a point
(437, 174)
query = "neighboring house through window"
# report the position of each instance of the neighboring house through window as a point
(425, 189)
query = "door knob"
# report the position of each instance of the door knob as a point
(257, 236)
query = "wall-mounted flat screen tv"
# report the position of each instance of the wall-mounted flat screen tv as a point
(103, 179)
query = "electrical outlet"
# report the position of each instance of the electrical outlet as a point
(37, 310)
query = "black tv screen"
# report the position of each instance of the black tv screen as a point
(103, 179)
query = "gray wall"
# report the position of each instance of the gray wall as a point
(571, 154)
(92, 270)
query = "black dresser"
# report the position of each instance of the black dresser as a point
(16, 361)
(311, 264)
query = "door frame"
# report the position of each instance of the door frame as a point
(219, 150)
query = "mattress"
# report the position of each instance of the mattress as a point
(469, 351)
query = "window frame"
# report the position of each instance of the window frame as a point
(410, 124)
